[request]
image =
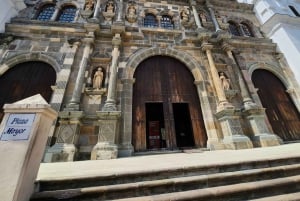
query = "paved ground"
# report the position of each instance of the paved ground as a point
(90, 168)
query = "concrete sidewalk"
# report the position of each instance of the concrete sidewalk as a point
(82, 169)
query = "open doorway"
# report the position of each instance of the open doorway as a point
(155, 126)
(183, 126)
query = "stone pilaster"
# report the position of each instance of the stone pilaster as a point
(106, 147)
(67, 136)
(97, 10)
(125, 146)
(110, 104)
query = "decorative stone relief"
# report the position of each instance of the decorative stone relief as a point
(88, 9)
(185, 17)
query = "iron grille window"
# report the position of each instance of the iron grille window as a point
(234, 29)
(166, 22)
(150, 21)
(246, 30)
(67, 14)
(46, 13)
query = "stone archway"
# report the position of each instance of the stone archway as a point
(166, 109)
(280, 109)
(26, 79)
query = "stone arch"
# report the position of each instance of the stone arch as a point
(184, 57)
(62, 4)
(272, 68)
(11, 62)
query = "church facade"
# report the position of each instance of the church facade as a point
(141, 76)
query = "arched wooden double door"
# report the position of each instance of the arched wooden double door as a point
(25, 80)
(166, 106)
(281, 111)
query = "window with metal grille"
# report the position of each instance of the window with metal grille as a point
(150, 20)
(246, 30)
(166, 22)
(67, 14)
(234, 30)
(46, 12)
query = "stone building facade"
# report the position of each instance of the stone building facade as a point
(136, 76)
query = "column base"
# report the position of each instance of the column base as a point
(109, 105)
(265, 140)
(125, 150)
(237, 142)
(104, 151)
(215, 145)
(60, 152)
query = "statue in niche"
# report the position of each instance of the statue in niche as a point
(109, 12)
(110, 8)
(89, 5)
(185, 15)
(131, 13)
(97, 79)
(224, 81)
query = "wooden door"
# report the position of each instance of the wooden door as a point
(281, 111)
(25, 80)
(165, 80)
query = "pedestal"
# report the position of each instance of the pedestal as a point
(261, 134)
(64, 149)
(106, 147)
(234, 137)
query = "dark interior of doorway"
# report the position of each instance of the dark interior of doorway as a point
(183, 126)
(155, 126)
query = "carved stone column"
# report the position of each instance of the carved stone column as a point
(75, 100)
(67, 136)
(106, 148)
(222, 101)
(255, 114)
(227, 115)
(110, 104)
(120, 11)
(213, 17)
(55, 14)
(97, 10)
(196, 15)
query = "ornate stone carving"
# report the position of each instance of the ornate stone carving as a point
(131, 14)
(109, 12)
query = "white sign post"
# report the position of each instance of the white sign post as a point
(23, 136)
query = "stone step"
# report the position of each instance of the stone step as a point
(285, 197)
(235, 192)
(150, 175)
(170, 185)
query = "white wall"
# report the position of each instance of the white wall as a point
(9, 9)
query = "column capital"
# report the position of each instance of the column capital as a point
(227, 47)
(206, 46)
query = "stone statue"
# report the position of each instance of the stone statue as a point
(131, 13)
(97, 79)
(110, 8)
(185, 15)
(89, 5)
(224, 81)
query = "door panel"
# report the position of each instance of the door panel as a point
(281, 111)
(166, 80)
(25, 80)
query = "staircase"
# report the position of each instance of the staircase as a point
(259, 180)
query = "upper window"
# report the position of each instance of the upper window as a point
(150, 20)
(46, 12)
(294, 11)
(166, 22)
(67, 14)
(234, 29)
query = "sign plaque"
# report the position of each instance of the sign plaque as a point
(18, 127)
